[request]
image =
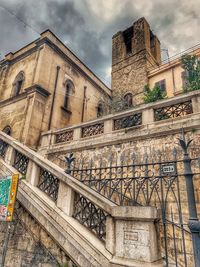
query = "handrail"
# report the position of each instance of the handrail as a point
(73, 183)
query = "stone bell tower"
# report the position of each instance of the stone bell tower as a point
(133, 51)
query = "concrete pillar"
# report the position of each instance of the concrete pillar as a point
(196, 104)
(65, 199)
(108, 126)
(10, 155)
(136, 238)
(110, 235)
(77, 134)
(33, 173)
(52, 139)
(147, 116)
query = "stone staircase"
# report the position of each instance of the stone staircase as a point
(86, 226)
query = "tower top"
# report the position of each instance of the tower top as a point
(133, 39)
(133, 51)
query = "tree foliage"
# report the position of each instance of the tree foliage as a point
(153, 95)
(191, 64)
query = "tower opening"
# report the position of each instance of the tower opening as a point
(128, 35)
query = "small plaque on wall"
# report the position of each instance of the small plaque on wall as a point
(130, 236)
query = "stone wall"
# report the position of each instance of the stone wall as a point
(135, 152)
(47, 64)
(29, 245)
(129, 69)
(13, 115)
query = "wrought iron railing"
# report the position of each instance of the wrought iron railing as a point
(173, 111)
(90, 216)
(93, 130)
(158, 183)
(3, 148)
(128, 121)
(64, 137)
(21, 162)
(49, 184)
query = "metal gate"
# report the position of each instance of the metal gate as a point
(170, 185)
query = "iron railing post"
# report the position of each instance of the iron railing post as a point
(69, 160)
(193, 223)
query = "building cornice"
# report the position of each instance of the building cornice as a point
(12, 58)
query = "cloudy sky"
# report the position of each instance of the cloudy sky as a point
(86, 26)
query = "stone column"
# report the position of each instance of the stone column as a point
(65, 199)
(110, 235)
(77, 133)
(33, 173)
(147, 116)
(108, 126)
(10, 155)
(135, 237)
(196, 104)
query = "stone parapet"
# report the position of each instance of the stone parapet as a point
(165, 116)
(53, 198)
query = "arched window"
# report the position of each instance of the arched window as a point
(7, 130)
(69, 90)
(18, 83)
(100, 110)
(128, 99)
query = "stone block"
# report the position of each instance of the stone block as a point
(136, 240)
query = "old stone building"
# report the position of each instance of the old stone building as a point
(136, 62)
(120, 197)
(44, 86)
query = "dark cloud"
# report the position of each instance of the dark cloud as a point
(87, 26)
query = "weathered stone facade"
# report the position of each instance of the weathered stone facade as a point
(33, 89)
(133, 51)
(36, 115)
(29, 245)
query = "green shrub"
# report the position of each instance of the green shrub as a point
(191, 64)
(153, 95)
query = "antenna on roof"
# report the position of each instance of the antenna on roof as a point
(167, 52)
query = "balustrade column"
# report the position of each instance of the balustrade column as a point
(77, 133)
(10, 155)
(108, 126)
(147, 116)
(33, 173)
(48, 139)
(65, 199)
(195, 104)
(110, 234)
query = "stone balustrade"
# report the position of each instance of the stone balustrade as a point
(71, 212)
(150, 115)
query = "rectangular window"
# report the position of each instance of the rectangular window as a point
(162, 85)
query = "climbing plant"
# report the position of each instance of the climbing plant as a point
(191, 65)
(153, 95)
